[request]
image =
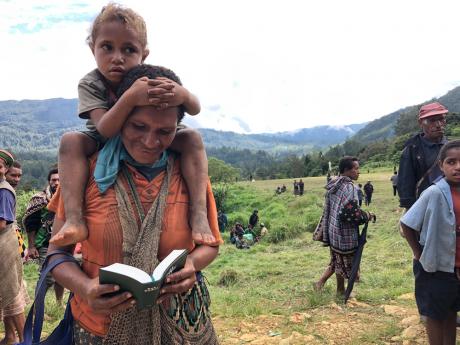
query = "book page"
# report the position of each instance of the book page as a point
(130, 271)
(164, 265)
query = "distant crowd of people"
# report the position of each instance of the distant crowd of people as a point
(244, 238)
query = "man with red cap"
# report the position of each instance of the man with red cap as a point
(418, 167)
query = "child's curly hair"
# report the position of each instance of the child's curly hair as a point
(114, 12)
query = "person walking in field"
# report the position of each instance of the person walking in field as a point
(301, 187)
(341, 219)
(359, 191)
(296, 187)
(432, 229)
(394, 182)
(368, 191)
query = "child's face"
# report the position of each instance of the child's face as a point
(450, 166)
(117, 50)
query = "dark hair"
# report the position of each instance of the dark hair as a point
(346, 163)
(360, 185)
(52, 172)
(151, 72)
(16, 165)
(454, 144)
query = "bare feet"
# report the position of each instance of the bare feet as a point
(317, 286)
(201, 232)
(70, 233)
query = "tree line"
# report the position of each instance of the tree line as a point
(232, 164)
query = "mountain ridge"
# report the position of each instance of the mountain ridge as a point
(39, 124)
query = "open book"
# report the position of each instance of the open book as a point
(144, 287)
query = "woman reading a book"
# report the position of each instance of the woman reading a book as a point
(136, 208)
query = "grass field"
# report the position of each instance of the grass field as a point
(264, 295)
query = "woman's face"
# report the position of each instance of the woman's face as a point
(148, 132)
(3, 169)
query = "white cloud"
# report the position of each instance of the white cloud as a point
(276, 65)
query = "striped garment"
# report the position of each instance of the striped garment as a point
(342, 216)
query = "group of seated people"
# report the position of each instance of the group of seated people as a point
(244, 238)
(281, 189)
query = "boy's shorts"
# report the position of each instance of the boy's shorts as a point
(437, 294)
(96, 136)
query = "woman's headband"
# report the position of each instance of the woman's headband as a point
(7, 157)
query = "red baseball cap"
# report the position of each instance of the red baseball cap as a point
(432, 109)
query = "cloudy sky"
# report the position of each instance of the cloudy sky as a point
(257, 66)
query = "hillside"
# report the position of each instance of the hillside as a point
(38, 125)
(384, 127)
(300, 141)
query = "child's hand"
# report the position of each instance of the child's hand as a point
(166, 93)
(139, 92)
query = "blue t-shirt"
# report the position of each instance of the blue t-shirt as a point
(7, 206)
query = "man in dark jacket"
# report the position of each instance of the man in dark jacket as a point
(368, 190)
(418, 168)
(253, 219)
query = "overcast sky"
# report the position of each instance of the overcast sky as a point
(257, 66)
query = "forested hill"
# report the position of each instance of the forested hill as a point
(37, 125)
(403, 120)
(299, 142)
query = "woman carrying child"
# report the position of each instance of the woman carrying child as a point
(118, 41)
(139, 219)
(436, 256)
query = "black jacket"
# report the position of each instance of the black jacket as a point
(418, 156)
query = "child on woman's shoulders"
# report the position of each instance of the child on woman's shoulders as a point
(118, 41)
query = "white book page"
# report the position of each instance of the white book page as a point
(160, 269)
(130, 271)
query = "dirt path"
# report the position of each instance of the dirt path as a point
(356, 323)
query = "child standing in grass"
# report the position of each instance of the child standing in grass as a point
(118, 41)
(436, 264)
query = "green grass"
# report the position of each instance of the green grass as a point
(275, 277)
